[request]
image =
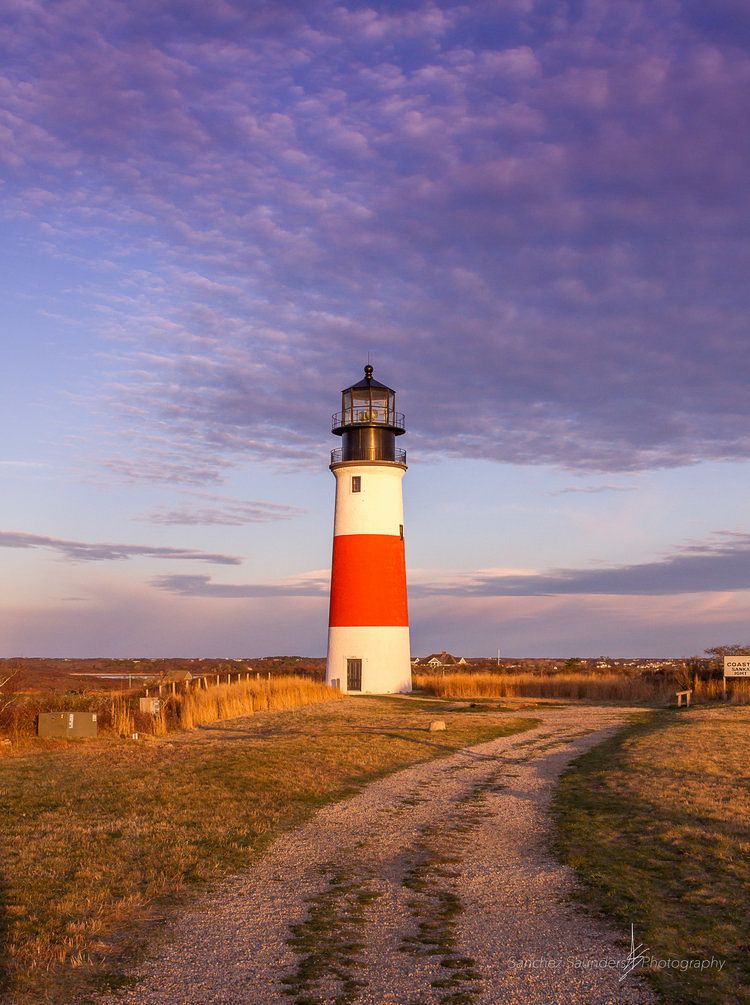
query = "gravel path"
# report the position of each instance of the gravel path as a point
(433, 885)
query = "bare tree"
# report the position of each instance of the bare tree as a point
(717, 652)
(7, 697)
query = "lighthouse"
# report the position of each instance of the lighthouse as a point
(368, 625)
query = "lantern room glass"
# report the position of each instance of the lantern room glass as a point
(368, 404)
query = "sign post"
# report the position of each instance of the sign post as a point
(735, 666)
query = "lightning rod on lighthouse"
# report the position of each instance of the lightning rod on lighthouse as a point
(368, 625)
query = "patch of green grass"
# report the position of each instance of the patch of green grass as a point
(326, 941)
(656, 822)
(100, 841)
(106, 983)
(436, 902)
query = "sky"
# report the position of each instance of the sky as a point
(532, 214)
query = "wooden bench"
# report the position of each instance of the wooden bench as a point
(687, 695)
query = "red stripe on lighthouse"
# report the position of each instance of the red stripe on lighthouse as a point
(368, 581)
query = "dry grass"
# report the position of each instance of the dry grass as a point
(738, 691)
(229, 701)
(657, 823)
(100, 840)
(121, 717)
(592, 687)
(604, 687)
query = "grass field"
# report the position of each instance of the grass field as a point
(100, 840)
(657, 824)
(618, 687)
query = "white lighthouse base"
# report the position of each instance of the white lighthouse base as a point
(385, 655)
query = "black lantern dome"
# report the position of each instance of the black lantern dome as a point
(368, 423)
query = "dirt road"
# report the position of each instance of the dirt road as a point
(433, 885)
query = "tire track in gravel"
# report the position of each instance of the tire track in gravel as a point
(429, 887)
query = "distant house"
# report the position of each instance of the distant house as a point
(169, 679)
(444, 659)
(179, 676)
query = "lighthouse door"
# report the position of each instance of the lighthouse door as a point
(354, 675)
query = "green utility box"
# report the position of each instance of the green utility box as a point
(67, 725)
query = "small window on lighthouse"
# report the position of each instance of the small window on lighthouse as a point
(356, 483)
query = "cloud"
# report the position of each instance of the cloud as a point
(23, 464)
(578, 625)
(172, 465)
(721, 565)
(228, 512)
(129, 620)
(84, 551)
(459, 188)
(314, 585)
(718, 566)
(592, 489)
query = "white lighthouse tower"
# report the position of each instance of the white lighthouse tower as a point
(368, 633)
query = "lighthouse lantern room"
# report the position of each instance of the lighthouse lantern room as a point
(368, 633)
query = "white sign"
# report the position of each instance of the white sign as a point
(737, 666)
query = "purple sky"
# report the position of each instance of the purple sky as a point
(534, 215)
